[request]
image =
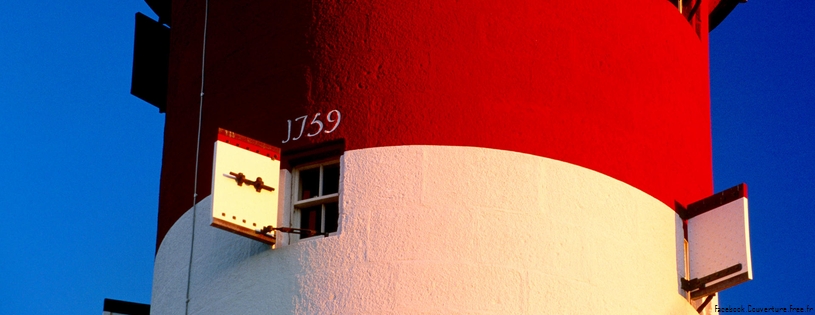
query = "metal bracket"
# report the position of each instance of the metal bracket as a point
(257, 183)
(699, 283)
(308, 232)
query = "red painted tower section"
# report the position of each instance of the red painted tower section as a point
(617, 87)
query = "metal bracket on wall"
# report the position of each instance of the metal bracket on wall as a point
(308, 232)
(241, 179)
(699, 283)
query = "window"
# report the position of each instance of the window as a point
(316, 198)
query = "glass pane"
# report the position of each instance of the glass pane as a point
(309, 183)
(310, 219)
(331, 179)
(332, 216)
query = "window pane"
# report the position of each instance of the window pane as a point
(310, 219)
(332, 215)
(331, 179)
(309, 183)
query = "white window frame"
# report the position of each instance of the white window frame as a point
(296, 205)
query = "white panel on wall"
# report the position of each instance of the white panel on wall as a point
(245, 181)
(719, 239)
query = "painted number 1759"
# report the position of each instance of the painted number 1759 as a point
(333, 117)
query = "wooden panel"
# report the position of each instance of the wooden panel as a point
(245, 207)
(718, 239)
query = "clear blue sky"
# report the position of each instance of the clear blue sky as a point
(762, 70)
(81, 157)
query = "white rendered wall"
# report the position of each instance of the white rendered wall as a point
(444, 230)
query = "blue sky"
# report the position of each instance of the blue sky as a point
(763, 111)
(82, 157)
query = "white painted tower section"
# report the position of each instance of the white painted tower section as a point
(444, 230)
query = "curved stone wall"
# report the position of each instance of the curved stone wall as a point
(444, 230)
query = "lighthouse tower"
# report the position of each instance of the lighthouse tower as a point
(462, 157)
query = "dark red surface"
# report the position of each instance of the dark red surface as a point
(617, 87)
(247, 143)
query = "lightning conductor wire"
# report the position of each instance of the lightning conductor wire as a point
(197, 154)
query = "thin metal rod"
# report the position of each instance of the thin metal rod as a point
(705, 303)
(197, 154)
(693, 10)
